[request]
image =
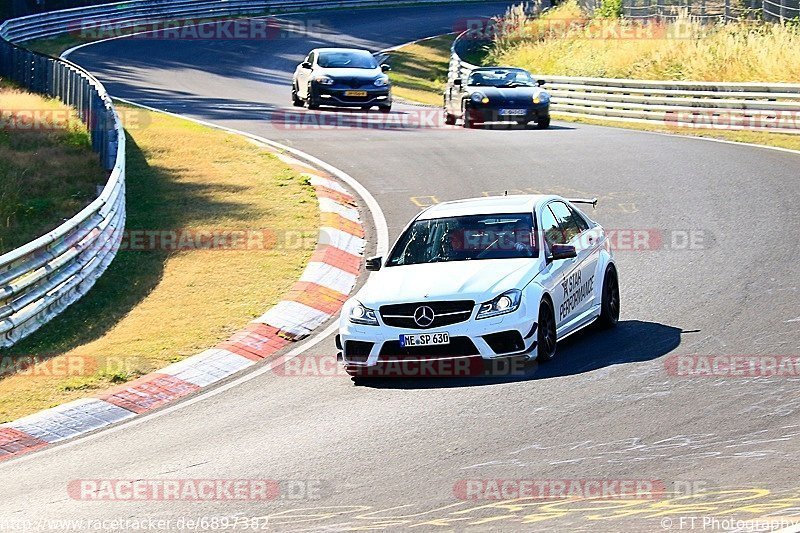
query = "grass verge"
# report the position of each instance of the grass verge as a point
(419, 70)
(565, 42)
(440, 54)
(48, 171)
(158, 306)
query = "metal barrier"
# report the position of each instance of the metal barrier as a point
(710, 10)
(751, 106)
(41, 279)
(114, 17)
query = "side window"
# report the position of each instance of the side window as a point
(565, 218)
(311, 57)
(551, 229)
(582, 223)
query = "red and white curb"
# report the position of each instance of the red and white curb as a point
(315, 298)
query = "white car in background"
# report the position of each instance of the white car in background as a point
(487, 277)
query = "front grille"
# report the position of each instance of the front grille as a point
(505, 342)
(445, 313)
(357, 351)
(459, 346)
(355, 83)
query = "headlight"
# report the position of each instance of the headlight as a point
(479, 98)
(324, 80)
(541, 98)
(505, 303)
(363, 315)
(381, 82)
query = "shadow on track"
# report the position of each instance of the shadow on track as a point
(632, 341)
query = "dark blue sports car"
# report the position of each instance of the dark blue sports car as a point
(497, 94)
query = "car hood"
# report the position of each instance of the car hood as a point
(357, 73)
(511, 94)
(478, 280)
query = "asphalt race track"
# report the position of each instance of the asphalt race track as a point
(392, 454)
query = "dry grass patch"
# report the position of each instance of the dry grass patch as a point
(152, 308)
(48, 171)
(564, 42)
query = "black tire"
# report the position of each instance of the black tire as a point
(311, 100)
(468, 123)
(359, 377)
(543, 124)
(385, 108)
(449, 119)
(365, 108)
(610, 303)
(546, 334)
(296, 100)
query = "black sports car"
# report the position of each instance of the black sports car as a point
(497, 94)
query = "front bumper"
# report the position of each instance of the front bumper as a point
(337, 96)
(492, 113)
(487, 339)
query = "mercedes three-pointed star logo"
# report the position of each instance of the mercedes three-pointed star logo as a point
(424, 316)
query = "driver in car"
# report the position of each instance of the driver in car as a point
(516, 236)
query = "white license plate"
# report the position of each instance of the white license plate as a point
(513, 112)
(424, 339)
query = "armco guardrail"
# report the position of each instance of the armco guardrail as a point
(751, 106)
(113, 17)
(41, 279)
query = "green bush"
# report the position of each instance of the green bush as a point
(609, 9)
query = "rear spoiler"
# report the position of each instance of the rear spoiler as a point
(592, 201)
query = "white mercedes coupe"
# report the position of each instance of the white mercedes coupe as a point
(484, 278)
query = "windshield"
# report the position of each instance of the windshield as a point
(501, 77)
(466, 238)
(347, 60)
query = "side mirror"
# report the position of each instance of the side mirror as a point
(457, 81)
(305, 64)
(374, 263)
(386, 68)
(562, 251)
(540, 82)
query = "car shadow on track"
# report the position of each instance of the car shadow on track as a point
(632, 341)
(508, 126)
